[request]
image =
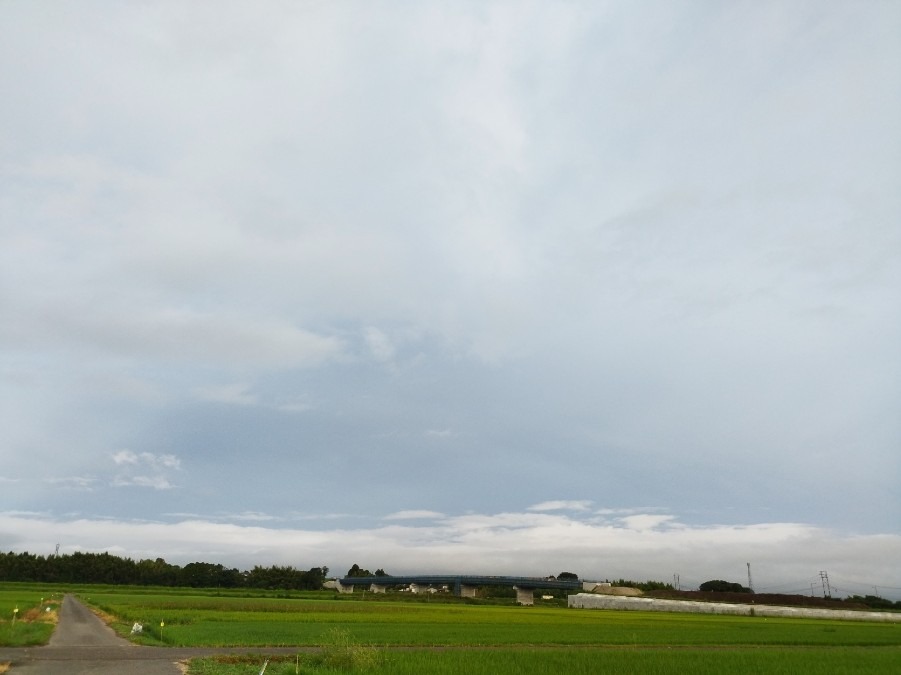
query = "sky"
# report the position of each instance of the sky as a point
(455, 287)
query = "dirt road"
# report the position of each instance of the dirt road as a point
(83, 645)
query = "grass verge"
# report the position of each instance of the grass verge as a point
(27, 616)
(579, 661)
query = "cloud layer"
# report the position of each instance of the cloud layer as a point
(318, 259)
(785, 556)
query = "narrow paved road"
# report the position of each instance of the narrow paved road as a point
(80, 627)
(82, 644)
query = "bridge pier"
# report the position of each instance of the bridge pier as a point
(464, 585)
(467, 591)
(524, 596)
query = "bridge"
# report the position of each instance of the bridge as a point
(464, 585)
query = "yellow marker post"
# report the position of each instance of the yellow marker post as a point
(15, 614)
(162, 624)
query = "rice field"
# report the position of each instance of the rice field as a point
(279, 622)
(587, 661)
(396, 635)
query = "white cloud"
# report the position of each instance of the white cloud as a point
(515, 544)
(172, 335)
(167, 461)
(562, 505)
(157, 461)
(156, 482)
(75, 482)
(251, 516)
(627, 511)
(125, 457)
(132, 467)
(243, 395)
(414, 514)
(322, 516)
(646, 521)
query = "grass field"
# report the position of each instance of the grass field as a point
(589, 661)
(32, 624)
(236, 621)
(402, 636)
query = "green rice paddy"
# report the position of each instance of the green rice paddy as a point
(544, 661)
(397, 635)
(235, 621)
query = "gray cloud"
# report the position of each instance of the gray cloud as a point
(455, 258)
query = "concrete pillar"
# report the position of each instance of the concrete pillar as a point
(468, 591)
(524, 596)
(378, 588)
(416, 588)
(341, 588)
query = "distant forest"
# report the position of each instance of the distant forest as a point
(104, 568)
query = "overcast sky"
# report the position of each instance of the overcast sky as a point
(508, 288)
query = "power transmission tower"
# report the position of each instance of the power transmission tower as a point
(824, 579)
(750, 585)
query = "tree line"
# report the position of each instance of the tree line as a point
(105, 568)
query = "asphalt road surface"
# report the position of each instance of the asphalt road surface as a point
(83, 645)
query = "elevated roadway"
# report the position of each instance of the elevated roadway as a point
(463, 585)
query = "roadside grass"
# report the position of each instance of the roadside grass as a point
(581, 661)
(32, 624)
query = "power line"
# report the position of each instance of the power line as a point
(794, 583)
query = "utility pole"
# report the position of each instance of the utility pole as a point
(824, 579)
(676, 582)
(750, 585)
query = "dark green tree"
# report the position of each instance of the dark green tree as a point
(720, 586)
(357, 571)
